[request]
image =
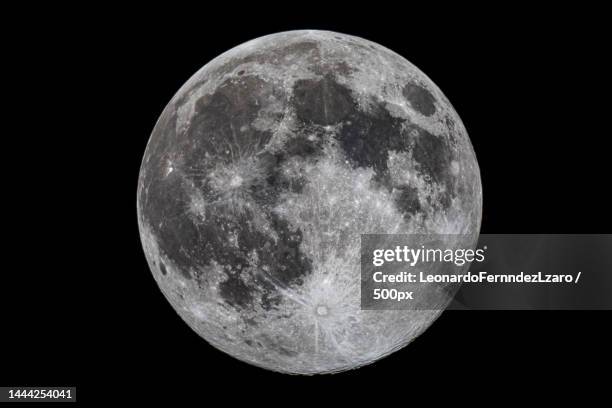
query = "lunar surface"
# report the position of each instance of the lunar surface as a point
(263, 171)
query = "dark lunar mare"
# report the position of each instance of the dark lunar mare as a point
(420, 99)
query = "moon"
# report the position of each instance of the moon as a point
(264, 170)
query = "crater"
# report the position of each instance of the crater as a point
(321, 310)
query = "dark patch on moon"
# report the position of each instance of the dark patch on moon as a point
(408, 201)
(420, 99)
(434, 156)
(285, 261)
(321, 101)
(176, 234)
(235, 292)
(281, 261)
(222, 121)
(270, 298)
(369, 137)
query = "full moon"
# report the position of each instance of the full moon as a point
(264, 170)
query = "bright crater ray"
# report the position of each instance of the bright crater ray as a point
(263, 171)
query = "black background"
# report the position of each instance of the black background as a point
(80, 306)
